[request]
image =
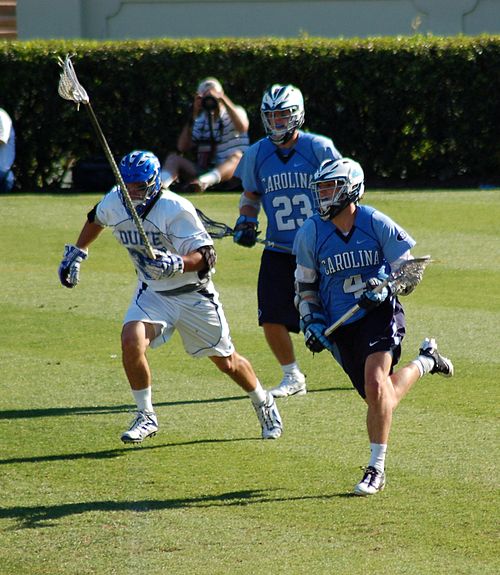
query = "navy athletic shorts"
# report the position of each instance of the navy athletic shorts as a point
(382, 329)
(276, 290)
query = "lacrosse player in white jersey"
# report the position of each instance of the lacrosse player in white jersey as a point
(7, 152)
(174, 291)
(343, 253)
(276, 172)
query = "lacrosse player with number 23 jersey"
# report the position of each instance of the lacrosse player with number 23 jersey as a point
(276, 172)
(174, 290)
(344, 253)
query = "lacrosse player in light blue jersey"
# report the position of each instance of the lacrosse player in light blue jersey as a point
(276, 173)
(343, 253)
(174, 291)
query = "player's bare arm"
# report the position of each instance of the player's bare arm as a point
(88, 235)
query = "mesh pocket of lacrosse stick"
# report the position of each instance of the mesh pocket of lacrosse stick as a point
(402, 281)
(216, 230)
(408, 275)
(69, 87)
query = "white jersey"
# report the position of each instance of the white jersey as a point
(172, 224)
(7, 137)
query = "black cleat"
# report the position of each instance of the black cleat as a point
(442, 365)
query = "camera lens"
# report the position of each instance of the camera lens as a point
(209, 103)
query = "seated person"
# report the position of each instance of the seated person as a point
(7, 151)
(218, 130)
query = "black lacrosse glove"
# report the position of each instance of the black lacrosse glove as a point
(245, 231)
(313, 325)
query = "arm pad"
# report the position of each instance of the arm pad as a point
(246, 201)
(210, 257)
(312, 317)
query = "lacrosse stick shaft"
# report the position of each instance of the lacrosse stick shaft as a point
(269, 244)
(70, 89)
(219, 230)
(119, 180)
(390, 280)
(350, 312)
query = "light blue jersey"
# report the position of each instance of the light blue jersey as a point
(340, 265)
(282, 177)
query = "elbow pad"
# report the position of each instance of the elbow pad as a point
(209, 256)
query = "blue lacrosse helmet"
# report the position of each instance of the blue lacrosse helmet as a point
(142, 166)
(335, 185)
(277, 101)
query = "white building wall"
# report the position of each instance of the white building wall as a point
(134, 19)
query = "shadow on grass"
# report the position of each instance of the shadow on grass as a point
(44, 516)
(113, 453)
(107, 409)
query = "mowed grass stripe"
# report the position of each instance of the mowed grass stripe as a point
(207, 495)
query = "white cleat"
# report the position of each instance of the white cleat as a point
(269, 418)
(291, 384)
(373, 481)
(144, 425)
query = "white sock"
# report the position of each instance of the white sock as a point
(143, 399)
(210, 178)
(377, 458)
(166, 178)
(258, 395)
(424, 364)
(290, 368)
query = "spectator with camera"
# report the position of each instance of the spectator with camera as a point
(218, 130)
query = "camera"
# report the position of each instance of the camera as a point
(209, 103)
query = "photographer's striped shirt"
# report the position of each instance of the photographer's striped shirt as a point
(221, 133)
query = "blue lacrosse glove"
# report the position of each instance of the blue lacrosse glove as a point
(165, 265)
(245, 231)
(69, 268)
(313, 326)
(371, 299)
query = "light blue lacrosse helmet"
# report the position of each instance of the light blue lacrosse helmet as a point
(142, 166)
(335, 185)
(279, 98)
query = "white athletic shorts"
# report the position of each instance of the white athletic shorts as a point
(198, 317)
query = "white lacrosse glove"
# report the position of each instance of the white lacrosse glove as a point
(69, 269)
(371, 299)
(165, 265)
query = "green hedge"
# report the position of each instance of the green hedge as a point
(413, 110)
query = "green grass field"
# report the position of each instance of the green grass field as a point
(207, 496)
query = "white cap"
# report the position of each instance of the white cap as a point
(208, 83)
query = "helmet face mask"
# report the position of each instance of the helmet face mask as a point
(335, 185)
(140, 171)
(282, 112)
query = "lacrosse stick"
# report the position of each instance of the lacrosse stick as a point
(218, 230)
(408, 274)
(71, 89)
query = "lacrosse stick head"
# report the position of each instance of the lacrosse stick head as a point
(406, 278)
(69, 87)
(216, 230)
